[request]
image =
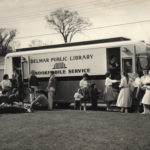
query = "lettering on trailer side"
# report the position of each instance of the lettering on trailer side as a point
(70, 63)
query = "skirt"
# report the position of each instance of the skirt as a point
(110, 94)
(146, 98)
(124, 98)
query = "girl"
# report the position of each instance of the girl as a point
(124, 99)
(146, 98)
(109, 94)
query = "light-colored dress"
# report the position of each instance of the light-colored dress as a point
(146, 98)
(109, 93)
(124, 98)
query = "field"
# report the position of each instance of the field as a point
(74, 130)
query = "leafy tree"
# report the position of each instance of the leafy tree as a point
(6, 37)
(67, 23)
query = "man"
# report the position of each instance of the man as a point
(33, 84)
(51, 89)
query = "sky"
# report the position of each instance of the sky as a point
(109, 18)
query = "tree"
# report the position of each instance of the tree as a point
(36, 42)
(67, 23)
(6, 37)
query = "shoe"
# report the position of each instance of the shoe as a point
(108, 109)
(29, 110)
(121, 110)
(143, 113)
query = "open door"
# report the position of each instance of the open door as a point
(22, 63)
(113, 62)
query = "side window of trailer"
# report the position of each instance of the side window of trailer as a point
(142, 63)
(127, 65)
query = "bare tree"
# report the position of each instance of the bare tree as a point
(36, 42)
(67, 23)
(6, 37)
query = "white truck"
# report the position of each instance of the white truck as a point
(70, 61)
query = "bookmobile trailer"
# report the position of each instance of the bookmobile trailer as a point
(70, 61)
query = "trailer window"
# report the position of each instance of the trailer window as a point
(142, 63)
(127, 65)
(16, 62)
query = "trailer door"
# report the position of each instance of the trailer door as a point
(128, 63)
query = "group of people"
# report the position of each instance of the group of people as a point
(40, 99)
(87, 92)
(133, 94)
(12, 92)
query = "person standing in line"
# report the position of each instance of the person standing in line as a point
(84, 85)
(143, 82)
(33, 84)
(146, 98)
(136, 95)
(51, 89)
(94, 95)
(143, 88)
(109, 94)
(124, 100)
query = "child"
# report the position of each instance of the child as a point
(94, 96)
(146, 97)
(78, 96)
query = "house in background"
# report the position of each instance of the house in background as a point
(1, 67)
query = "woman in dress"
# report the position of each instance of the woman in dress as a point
(109, 94)
(146, 98)
(124, 100)
(84, 85)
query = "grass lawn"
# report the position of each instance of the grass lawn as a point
(74, 130)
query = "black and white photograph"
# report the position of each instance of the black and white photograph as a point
(75, 75)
